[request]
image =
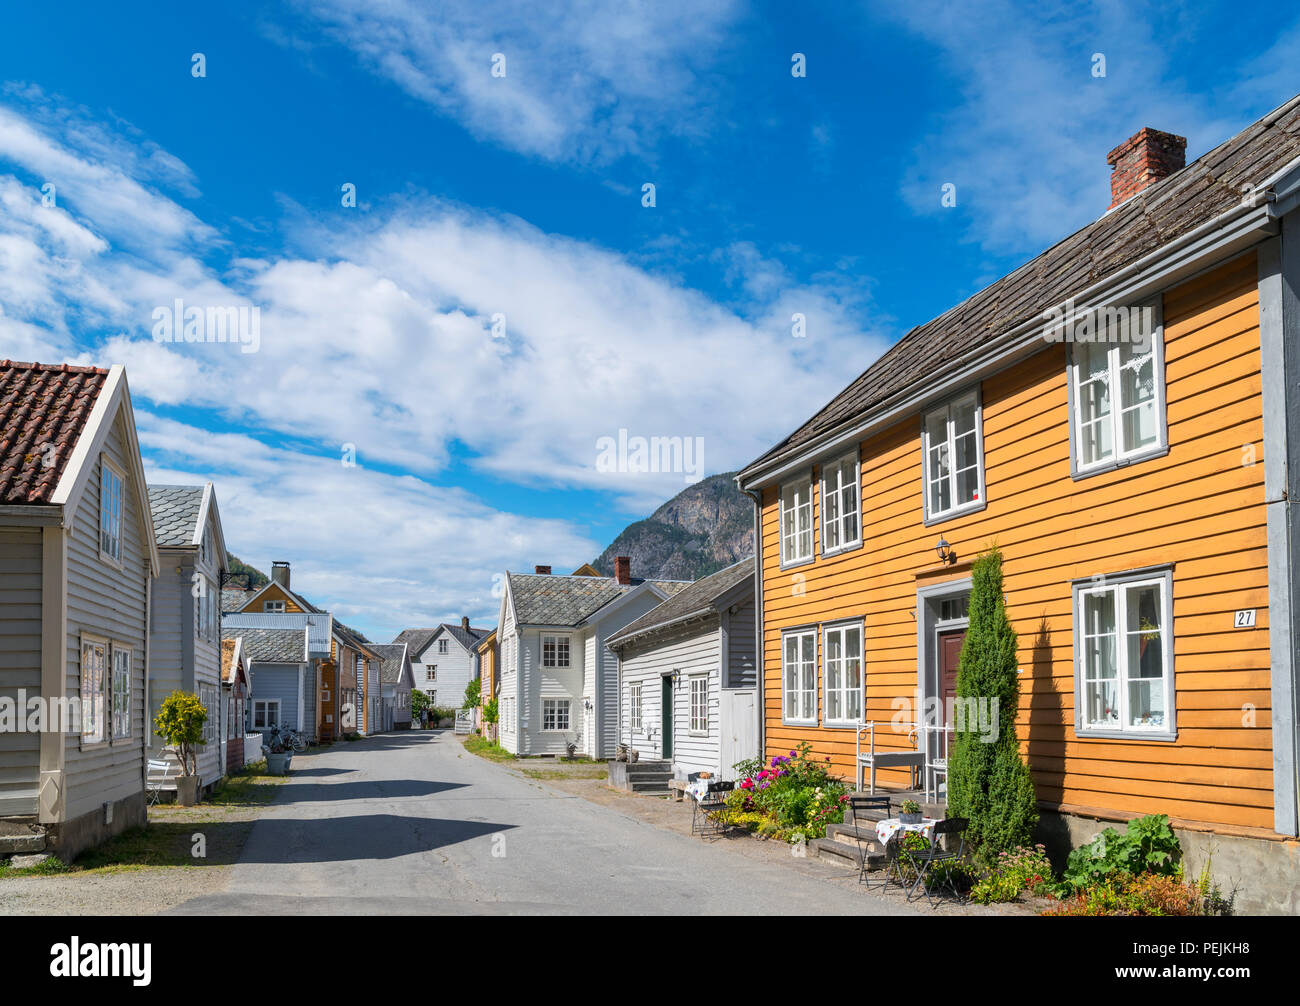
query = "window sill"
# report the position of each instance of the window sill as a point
(796, 563)
(1078, 474)
(798, 723)
(840, 724)
(1119, 734)
(108, 560)
(851, 547)
(929, 520)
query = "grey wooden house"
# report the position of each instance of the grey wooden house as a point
(185, 620)
(79, 560)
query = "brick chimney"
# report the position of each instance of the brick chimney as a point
(1143, 159)
(543, 570)
(623, 569)
(280, 574)
(464, 622)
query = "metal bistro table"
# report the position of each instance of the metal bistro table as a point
(893, 829)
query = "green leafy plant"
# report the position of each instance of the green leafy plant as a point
(180, 723)
(988, 782)
(419, 703)
(792, 797)
(910, 807)
(472, 692)
(1148, 845)
(490, 711)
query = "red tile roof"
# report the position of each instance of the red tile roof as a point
(40, 405)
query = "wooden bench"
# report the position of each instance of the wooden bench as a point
(677, 787)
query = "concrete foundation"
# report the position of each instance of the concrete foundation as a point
(69, 839)
(1262, 875)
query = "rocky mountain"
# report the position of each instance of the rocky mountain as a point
(240, 571)
(703, 528)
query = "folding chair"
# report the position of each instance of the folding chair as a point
(706, 816)
(864, 829)
(925, 859)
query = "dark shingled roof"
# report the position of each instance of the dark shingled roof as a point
(392, 655)
(1209, 186)
(283, 646)
(544, 599)
(234, 598)
(175, 512)
(418, 639)
(41, 406)
(699, 597)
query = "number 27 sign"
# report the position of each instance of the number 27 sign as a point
(1244, 619)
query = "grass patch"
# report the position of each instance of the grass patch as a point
(176, 835)
(484, 748)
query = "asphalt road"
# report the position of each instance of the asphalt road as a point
(410, 823)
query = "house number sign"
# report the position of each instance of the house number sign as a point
(1244, 619)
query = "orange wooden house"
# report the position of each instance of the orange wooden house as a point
(1115, 416)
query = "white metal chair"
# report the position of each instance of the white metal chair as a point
(160, 774)
(936, 766)
(871, 759)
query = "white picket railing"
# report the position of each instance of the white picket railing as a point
(252, 748)
(464, 721)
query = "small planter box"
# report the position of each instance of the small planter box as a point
(278, 764)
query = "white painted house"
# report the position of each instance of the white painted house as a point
(80, 561)
(687, 676)
(444, 660)
(185, 621)
(559, 679)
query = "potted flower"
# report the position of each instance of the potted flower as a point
(910, 812)
(180, 723)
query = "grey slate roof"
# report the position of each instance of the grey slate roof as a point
(317, 625)
(234, 598)
(545, 599)
(393, 656)
(418, 639)
(1209, 186)
(175, 512)
(285, 646)
(699, 597)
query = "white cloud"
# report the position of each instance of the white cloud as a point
(1026, 136)
(384, 552)
(583, 82)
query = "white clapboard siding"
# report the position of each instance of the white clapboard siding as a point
(109, 602)
(694, 650)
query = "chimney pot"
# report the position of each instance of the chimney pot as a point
(280, 574)
(1142, 160)
(544, 570)
(623, 569)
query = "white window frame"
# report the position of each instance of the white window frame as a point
(273, 607)
(93, 699)
(208, 698)
(265, 706)
(837, 492)
(699, 708)
(119, 717)
(841, 629)
(1118, 585)
(808, 668)
(801, 504)
(551, 712)
(112, 554)
(1119, 457)
(442, 645)
(635, 710)
(556, 639)
(430, 672)
(948, 408)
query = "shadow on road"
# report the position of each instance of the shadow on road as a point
(359, 837)
(372, 789)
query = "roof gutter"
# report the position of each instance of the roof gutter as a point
(1227, 234)
(760, 683)
(704, 612)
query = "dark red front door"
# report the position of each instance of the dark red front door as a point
(949, 660)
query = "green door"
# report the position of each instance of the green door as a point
(667, 707)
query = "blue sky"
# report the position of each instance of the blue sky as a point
(521, 196)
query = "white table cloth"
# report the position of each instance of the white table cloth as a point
(698, 789)
(886, 829)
